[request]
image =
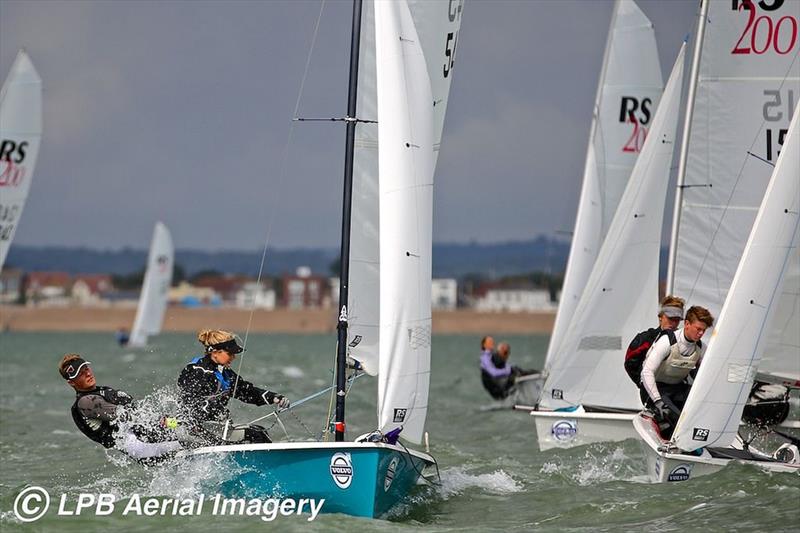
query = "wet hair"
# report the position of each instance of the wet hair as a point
(672, 301)
(700, 313)
(211, 337)
(67, 359)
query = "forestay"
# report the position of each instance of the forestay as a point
(621, 296)
(155, 287)
(747, 87)
(20, 137)
(406, 165)
(714, 408)
(437, 25)
(627, 95)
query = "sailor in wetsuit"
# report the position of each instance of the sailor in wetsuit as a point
(497, 375)
(97, 410)
(668, 368)
(207, 384)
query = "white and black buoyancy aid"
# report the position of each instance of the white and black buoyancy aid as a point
(676, 367)
(97, 429)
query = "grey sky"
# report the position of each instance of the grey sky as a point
(180, 111)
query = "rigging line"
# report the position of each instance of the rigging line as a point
(281, 183)
(739, 177)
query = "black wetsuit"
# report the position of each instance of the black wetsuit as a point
(206, 388)
(95, 413)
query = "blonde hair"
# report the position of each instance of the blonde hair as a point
(210, 337)
(68, 358)
(700, 313)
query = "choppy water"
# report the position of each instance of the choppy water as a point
(493, 477)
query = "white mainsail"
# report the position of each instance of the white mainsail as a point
(20, 137)
(714, 407)
(747, 86)
(406, 165)
(437, 25)
(621, 295)
(155, 288)
(627, 95)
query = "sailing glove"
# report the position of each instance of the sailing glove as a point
(671, 406)
(661, 410)
(281, 401)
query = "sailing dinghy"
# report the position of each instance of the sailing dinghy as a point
(588, 396)
(155, 288)
(628, 93)
(706, 437)
(386, 295)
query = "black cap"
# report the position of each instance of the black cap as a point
(73, 368)
(230, 346)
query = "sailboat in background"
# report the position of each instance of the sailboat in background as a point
(706, 436)
(20, 138)
(155, 288)
(588, 396)
(628, 93)
(384, 311)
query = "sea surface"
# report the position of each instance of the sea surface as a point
(493, 478)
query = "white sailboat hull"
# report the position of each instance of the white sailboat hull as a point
(666, 467)
(562, 429)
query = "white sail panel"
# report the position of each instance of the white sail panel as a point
(437, 24)
(363, 297)
(406, 165)
(714, 407)
(781, 357)
(621, 296)
(747, 88)
(20, 137)
(627, 95)
(155, 288)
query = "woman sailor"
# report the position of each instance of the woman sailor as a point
(207, 384)
(668, 366)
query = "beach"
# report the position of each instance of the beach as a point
(181, 319)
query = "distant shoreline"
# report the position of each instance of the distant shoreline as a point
(180, 319)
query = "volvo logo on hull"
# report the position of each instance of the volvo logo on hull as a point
(342, 469)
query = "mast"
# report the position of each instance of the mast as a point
(344, 258)
(687, 129)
